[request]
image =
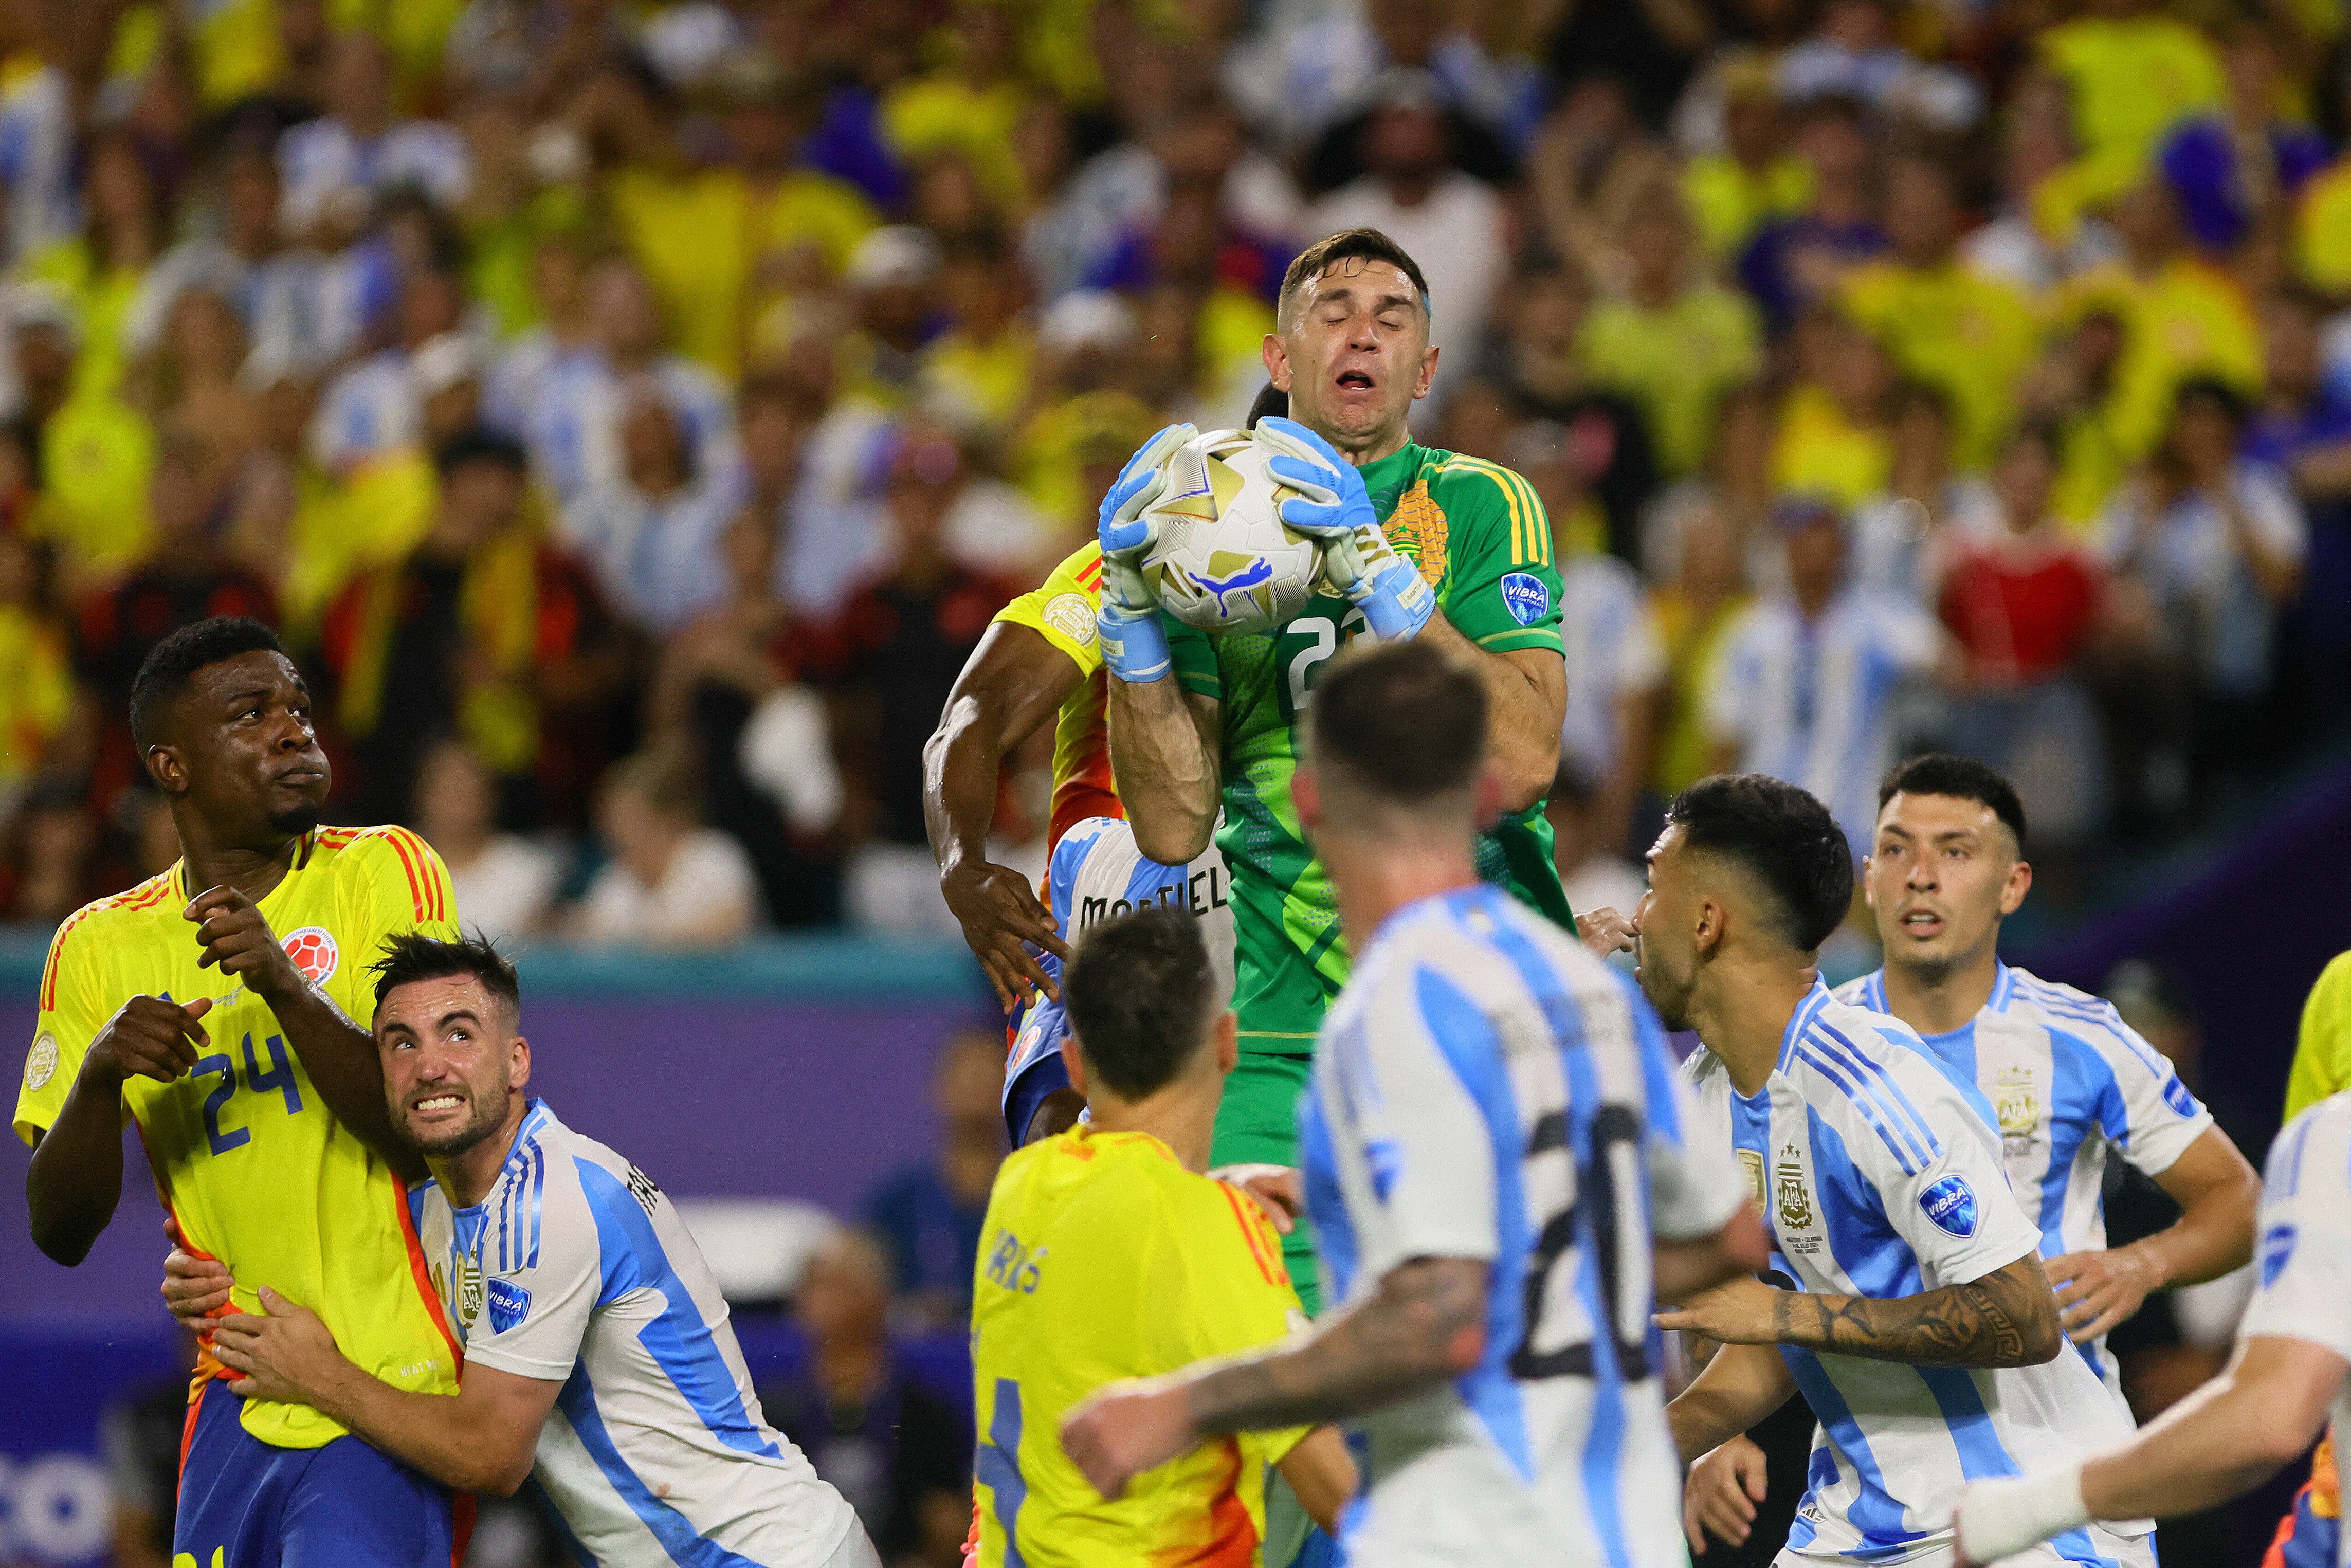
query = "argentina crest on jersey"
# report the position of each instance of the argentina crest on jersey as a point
(1796, 1215)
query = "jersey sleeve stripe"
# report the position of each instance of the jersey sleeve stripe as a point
(1523, 528)
(436, 906)
(1883, 1085)
(1257, 1250)
(1860, 1104)
(416, 892)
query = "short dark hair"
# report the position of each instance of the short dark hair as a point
(1781, 835)
(170, 664)
(1401, 719)
(1272, 402)
(1961, 778)
(1347, 245)
(412, 956)
(1139, 994)
(480, 444)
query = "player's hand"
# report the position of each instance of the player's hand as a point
(1724, 1487)
(236, 938)
(1335, 508)
(1605, 931)
(1001, 916)
(1277, 1189)
(148, 1038)
(1738, 1312)
(196, 1288)
(2096, 1291)
(1126, 1429)
(2004, 1515)
(285, 1351)
(1134, 646)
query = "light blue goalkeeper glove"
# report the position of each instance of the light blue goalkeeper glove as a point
(1134, 644)
(1335, 510)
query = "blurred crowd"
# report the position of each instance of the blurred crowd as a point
(633, 415)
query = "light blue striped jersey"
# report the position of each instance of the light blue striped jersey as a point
(1096, 874)
(1879, 1174)
(1486, 1087)
(2067, 1081)
(2305, 1285)
(576, 1269)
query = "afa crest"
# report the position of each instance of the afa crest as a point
(1793, 1200)
(469, 1289)
(2016, 1100)
(1418, 529)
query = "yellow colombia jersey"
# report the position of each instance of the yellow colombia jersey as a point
(1102, 1257)
(2322, 1055)
(1063, 610)
(245, 1154)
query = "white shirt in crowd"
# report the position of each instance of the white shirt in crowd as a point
(1457, 233)
(2187, 556)
(708, 875)
(506, 891)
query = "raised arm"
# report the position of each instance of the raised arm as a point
(1014, 682)
(1166, 753)
(481, 1439)
(339, 1055)
(2007, 1318)
(1424, 1326)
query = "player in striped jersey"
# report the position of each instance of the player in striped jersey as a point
(599, 1358)
(1911, 1309)
(2289, 1379)
(1491, 1135)
(1096, 874)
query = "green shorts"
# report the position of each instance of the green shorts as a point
(1257, 1124)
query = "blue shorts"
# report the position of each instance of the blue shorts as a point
(247, 1504)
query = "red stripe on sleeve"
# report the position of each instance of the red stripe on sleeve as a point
(416, 892)
(1239, 1205)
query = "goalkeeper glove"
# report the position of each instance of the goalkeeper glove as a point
(1134, 644)
(1336, 511)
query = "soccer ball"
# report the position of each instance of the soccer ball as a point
(1225, 560)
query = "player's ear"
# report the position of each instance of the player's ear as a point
(167, 768)
(2019, 883)
(1073, 1062)
(1427, 373)
(1868, 888)
(1276, 355)
(518, 1063)
(1706, 936)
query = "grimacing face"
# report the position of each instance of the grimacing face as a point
(452, 1062)
(1941, 875)
(1666, 952)
(1352, 351)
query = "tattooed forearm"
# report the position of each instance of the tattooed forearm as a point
(2008, 1318)
(1425, 1325)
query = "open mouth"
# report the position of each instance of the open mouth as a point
(1354, 379)
(432, 1104)
(1922, 923)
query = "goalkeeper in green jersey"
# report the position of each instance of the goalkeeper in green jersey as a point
(1416, 543)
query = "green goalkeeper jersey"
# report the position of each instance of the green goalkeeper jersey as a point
(1479, 537)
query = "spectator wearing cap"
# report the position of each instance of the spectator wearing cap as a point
(652, 538)
(894, 279)
(1973, 335)
(1802, 687)
(486, 630)
(1454, 225)
(360, 145)
(1795, 261)
(1674, 341)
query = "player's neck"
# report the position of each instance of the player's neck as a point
(1182, 1115)
(1936, 998)
(1741, 1014)
(467, 1177)
(1376, 878)
(252, 872)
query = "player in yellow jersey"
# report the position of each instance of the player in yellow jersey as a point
(212, 1005)
(1107, 1254)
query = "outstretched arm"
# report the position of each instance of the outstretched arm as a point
(481, 1439)
(1425, 1325)
(2007, 1318)
(1014, 682)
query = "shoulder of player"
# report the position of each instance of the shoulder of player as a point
(394, 858)
(1468, 488)
(2068, 1013)
(132, 903)
(1854, 993)
(1871, 1076)
(2312, 1152)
